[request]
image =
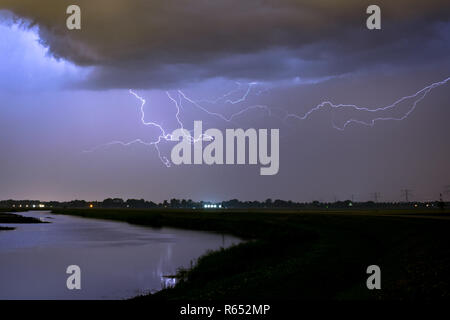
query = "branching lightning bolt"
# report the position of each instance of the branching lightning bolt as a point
(420, 95)
(164, 136)
(221, 116)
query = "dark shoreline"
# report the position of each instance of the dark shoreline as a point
(15, 218)
(6, 228)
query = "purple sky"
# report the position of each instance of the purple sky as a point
(65, 92)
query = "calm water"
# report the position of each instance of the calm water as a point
(117, 260)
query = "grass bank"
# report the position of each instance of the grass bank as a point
(307, 255)
(6, 228)
(15, 218)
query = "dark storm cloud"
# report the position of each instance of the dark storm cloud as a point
(162, 43)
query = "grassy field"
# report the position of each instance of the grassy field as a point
(318, 255)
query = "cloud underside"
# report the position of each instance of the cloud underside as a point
(160, 43)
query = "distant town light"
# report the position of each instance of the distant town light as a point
(212, 206)
(41, 205)
(91, 206)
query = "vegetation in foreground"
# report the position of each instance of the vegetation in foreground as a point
(307, 255)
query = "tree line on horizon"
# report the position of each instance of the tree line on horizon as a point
(191, 204)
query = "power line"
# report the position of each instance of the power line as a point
(406, 193)
(376, 196)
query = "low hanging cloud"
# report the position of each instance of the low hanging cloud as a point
(165, 43)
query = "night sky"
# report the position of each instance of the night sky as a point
(64, 92)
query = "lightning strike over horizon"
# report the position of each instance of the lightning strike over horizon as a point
(421, 94)
(417, 97)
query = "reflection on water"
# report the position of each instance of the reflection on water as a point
(168, 281)
(117, 260)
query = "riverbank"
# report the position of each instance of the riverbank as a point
(15, 218)
(307, 255)
(6, 228)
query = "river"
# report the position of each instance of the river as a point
(117, 260)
